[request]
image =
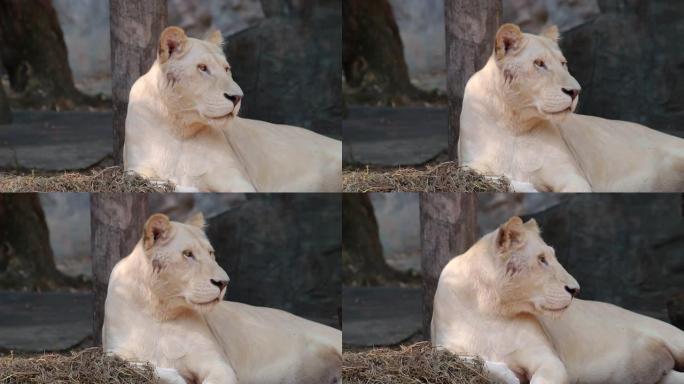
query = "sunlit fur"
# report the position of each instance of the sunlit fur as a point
(183, 126)
(507, 299)
(163, 308)
(517, 121)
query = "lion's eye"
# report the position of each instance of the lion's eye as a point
(203, 68)
(542, 259)
(189, 254)
(212, 254)
(227, 69)
(540, 63)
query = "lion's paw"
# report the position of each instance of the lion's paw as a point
(500, 373)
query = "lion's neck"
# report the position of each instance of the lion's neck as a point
(490, 91)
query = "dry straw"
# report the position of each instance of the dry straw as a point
(111, 179)
(414, 364)
(89, 366)
(444, 177)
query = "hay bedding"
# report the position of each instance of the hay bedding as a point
(89, 366)
(110, 179)
(415, 364)
(443, 177)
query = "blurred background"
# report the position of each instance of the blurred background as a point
(280, 251)
(626, 54)
(624, 249)
(56, 78)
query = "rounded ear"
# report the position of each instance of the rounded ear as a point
(196, 220)
(552, 33)
(508, 39)
(532, 225)
(158, 230)
(510, 236)
(215, 38)
(172, 42)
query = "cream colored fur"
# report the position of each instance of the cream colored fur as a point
(508, 300)
(183, 126)
(164, 306)
(518, 121)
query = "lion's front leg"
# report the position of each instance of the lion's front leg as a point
(212, 369)
(169, 376)
(227, 180)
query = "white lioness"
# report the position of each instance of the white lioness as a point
(164, 306)
(183, 126)
(518, 121)
(508, 300)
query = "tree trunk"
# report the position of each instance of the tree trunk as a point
(116, 225)
(135, 30)
(33, 52)
(26, 259)
(471, 26)
(448, 226)
(362, 258)
(5, 113)
(373, 53)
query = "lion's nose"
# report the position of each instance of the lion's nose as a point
(220, 283)
(234, 98)
(573, 291)
(573, 93)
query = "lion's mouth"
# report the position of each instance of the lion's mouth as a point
(566, 110)
(555, 309)
(210, 302)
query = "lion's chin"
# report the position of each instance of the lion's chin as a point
(553, 312)
(204, 306)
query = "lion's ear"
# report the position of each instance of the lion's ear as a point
(508, 39)
(172, 42)
(511, 235)
(215, 38)
(552, 33)
(196, 220)
(158, 230)
(532, 225)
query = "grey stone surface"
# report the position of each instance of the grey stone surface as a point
(289, 66)
(624, 249)
(629, 63)
(381, 316)
(283, 251)
(52, 141)
(385, 136)
(37, 322)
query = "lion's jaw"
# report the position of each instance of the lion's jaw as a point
(181, 272)
(519, 273)
(196, 87)
(532, 78)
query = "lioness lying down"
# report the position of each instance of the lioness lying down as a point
(183, 126)
(518, 121)
(164, 306)
(508, 300)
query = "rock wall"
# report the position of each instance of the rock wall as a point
(283, 251)
(289, 65)
(629, 63)
(624, 249)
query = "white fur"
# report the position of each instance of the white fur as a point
(155, 312)
(182, 127)
(517, 122)
(503, 304)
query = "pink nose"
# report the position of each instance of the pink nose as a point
(220, 283)
(573, 93)
(234, 98)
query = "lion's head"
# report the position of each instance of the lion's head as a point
(196, 82)
(536, 81)
(529, 277)
(184, 272)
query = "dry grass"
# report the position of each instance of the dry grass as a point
(413, 364)
(110, 179)
(444, 177)
(88, 366)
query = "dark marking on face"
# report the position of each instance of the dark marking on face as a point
(508, 76)
(171, 79)
(156, 266)
(511, 268)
